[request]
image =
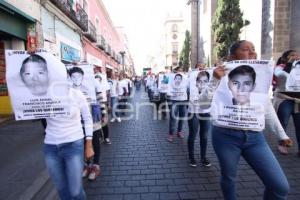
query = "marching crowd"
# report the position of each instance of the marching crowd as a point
(72, 144)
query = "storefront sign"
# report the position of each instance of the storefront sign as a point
(69, 53)
(93, 60)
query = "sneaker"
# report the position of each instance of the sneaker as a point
(193, 163)
(86, 170)
(180, 135)
(112, 120)
(170, 138)
(107, 141)
(119, 119)
(205, 162)
(282, 149)
(95, 172)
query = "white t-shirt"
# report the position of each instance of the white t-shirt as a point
(69, 129)
(114, 88)
(123, 85)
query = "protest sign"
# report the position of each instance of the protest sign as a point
(178, 86)
(37, 85)
(163, 83)
(240, 98)
(293, 79)
(82, 77)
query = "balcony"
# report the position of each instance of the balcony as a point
(91, 33)
(101, 43)
(78, 16)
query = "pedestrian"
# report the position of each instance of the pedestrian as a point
(114, 96)
(104, 105)
(178, 102)
(64, 147)
(230, 144)
(199, 119)
(123, 94)
(286, 104)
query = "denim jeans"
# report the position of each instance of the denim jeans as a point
(198, 123)
(114, 104)
(285, 111)
(65, 165)
(230, 145)
(177, 113)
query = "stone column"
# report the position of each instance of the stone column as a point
(295, 25)
(194, 31)
(282, 27)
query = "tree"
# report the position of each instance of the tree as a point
(227, 25)
(184, 59)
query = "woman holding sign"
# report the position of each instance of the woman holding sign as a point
(232, 143)
(285, 101)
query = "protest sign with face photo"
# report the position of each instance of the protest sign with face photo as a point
(82, 78)
(197, 81)
(293, 79)
(178, 86)
(240, 99)
(163, 83)
(37, 85)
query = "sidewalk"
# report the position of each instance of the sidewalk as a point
(141, 164)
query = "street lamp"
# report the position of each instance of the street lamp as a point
(123, 60)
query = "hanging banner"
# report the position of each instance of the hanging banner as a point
(240, 99)
(37, 85)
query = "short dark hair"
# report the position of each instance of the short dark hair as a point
(76, 69)
(33, 58)
(243, 70)
(202, 73)
(179, 75)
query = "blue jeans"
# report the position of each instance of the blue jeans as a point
(114, 105)
(198, 123)
(177, 112)
(65, 166)
(230, 145)
(96, 112)
(285, 111)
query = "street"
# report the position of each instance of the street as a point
(139, 164)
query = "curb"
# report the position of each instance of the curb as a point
(41, 188)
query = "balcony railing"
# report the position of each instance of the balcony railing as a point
(78, 16)
(91, 33)
(101, 43)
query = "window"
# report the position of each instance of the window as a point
(174, 28)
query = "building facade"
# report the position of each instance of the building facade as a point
(174, 39)
(19, 22)
(72, 30)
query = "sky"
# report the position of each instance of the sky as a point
(143, 22)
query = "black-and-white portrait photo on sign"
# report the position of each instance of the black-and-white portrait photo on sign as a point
(293, 79)
(178, 86)
(82, 78)
(240, 99)
(37, 85)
